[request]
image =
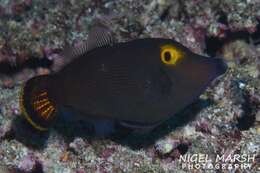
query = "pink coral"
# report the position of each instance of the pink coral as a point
(28, 163)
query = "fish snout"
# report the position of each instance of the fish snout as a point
(220, 66)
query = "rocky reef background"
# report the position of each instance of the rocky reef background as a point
(226, 119)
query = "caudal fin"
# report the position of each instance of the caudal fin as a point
(37, 104)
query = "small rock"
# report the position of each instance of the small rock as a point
(183, 147)
(106, 153)
(189, 130)
(253, 71)
(28, 164)
(6, 129)
(80, 171)
(42, 71)
(8, 83)
(18, 8)
(203, 127)
(15, 109)
(28, 2)
(241, 85)
(175, 154)
(219, 93)
(257, 117)
(64, 157)
(136, 164)
(237, 51)
(2, 10)
(164, 147)
(78, 145)
(4, 169)
(258, 130)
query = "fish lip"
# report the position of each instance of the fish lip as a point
(220, 66)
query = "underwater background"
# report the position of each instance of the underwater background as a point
(225, 120)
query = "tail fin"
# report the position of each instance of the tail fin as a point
(37, 104)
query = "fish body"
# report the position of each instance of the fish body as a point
(138, 84)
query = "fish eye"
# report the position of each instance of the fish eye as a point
(167, 56)
(170, 54)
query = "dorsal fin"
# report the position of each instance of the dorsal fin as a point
(99, 35)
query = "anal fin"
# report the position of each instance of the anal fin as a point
(139, 127)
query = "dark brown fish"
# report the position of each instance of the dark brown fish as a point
(138, 84)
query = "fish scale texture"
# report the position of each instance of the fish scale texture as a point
(33, 33)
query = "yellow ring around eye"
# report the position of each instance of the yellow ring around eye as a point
(170, 54)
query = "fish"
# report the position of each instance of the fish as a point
(137, 84)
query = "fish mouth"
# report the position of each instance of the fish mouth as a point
(220, 66)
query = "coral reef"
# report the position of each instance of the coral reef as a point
(225, 120)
